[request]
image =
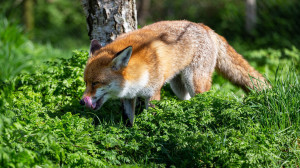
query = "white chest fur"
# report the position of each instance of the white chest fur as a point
(137, 87)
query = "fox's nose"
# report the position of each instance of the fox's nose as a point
(82, 102)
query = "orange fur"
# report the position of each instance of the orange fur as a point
(180, 52)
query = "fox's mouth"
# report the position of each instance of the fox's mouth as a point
(98, 103)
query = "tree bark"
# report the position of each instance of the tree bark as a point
(106, 19)
(143, 11)
(250, 15)
(28, 16)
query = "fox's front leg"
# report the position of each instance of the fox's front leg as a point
(156, 96)
(128, 106)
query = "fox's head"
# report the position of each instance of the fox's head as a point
(103, 74)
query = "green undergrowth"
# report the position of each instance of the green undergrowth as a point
(43, 125)
(18, 54)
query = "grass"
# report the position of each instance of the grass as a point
(42, 124)
(18, 54)
(283, 106)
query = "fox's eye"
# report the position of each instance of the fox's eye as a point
(95, 83)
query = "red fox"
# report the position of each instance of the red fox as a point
(139, 63)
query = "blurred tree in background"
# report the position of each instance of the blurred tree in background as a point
(62, 23)
(277, 22)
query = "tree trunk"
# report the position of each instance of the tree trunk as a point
(250, 15)
(106, 19)
(28, 16)
(143, 11)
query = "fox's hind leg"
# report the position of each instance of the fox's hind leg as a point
(179, 88)
(202, 83)
(197, 80)
(198, 75)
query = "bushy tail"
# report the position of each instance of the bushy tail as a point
(235, 68)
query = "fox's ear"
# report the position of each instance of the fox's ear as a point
(122, 58)
(95, 45)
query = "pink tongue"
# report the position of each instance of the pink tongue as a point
(88, 102)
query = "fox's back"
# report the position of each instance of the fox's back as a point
(173, 45)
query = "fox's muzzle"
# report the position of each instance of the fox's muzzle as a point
(87, 101)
